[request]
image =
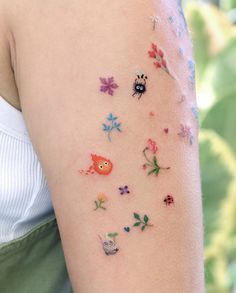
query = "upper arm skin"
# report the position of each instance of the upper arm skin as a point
(62, 48)
(8, 87)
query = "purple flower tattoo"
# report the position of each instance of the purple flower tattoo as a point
(186, 132)
(124, 190)
(108, 85)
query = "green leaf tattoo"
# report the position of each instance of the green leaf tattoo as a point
(137, 224)
(145, 218)
(144, 222)
(137, 216)
(113, 235)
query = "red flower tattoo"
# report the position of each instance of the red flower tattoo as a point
(157, 54)
(152, 146)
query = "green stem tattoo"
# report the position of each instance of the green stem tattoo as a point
(145, 155)
(99, 205)
(141, 222)
(153, 164)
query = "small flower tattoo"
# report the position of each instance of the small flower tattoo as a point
(155, 20)
(191, 68)
(109, 243)
(152, 146)
(186, 132)
(169, 200)
(196, 114)
(139, 86)
(114, 125)
(152, 164)
(124, 190)
(144, 222)
(102, 198)
(181, 52)
(108, 85)
(182, 99)
(160, 63)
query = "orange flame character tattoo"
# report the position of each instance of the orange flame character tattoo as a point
(101, 165)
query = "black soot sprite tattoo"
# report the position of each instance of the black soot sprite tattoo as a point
(139, 86)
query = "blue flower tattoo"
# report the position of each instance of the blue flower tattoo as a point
(112, 125)
(191, 68)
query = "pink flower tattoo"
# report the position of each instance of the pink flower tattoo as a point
(186, 132)
(108, 85)
(152, 165)
(160, 63)
(152, 146)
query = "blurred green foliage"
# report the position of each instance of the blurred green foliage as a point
(214, 40)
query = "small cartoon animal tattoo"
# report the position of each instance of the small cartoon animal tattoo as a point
(101, 166)
(109, 244)
(139, 86)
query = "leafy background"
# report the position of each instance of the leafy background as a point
(212, 26)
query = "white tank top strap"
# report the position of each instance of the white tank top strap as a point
(12, 121)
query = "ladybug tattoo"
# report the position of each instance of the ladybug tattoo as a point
(139, 86)
(169, 200)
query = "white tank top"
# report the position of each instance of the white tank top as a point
(24, 196)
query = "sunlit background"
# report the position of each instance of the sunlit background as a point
(214, 37)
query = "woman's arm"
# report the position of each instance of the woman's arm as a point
(79, 66)
(8, 87)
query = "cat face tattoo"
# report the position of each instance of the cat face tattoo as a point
(109, 244)
(101, 166)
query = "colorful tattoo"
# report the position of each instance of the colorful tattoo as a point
(108, 85)
(151, 114)
(179, 24)
(124, 190)
(191, 68)
(101, 166)
(183, 98)
(155, 20)
(102, 198)
(141, 222)
(171, 19)
(160, 62)
(152, 164)
(127, 229)
(109, 244)
(181, 52)
(186, 132)
(114, 125)
(195, 112)
(183, 23)
(166, 130)
(139, 86)
(176, 28)
(169, 200)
